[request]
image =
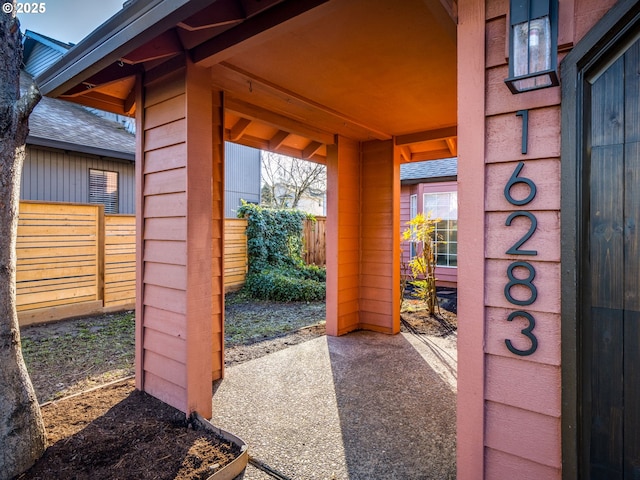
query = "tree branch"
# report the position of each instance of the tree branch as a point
(28, 101)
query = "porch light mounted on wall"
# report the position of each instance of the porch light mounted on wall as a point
(533, 45)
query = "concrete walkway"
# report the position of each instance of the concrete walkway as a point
(361, 406)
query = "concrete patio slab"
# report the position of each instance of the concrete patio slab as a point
(361, 406)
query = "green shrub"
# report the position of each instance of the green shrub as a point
(276, 268)
(274, 236)
(284, 285)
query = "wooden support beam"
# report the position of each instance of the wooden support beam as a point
(130, 102)
(452, 143)
(113, 73)
(279, 91)
(406, 153)
(427, 136)
(278, 139)
(239, 128)
(99, 100)
(222, 12)
(166, 45)
(430, 155)
(262, 144)
(253, 112)
(310, 150)
(217, 48)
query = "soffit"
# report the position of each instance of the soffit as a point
(296, 73)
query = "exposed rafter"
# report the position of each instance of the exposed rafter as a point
(253, 112)
(427, 136)
(310, 150)
(113, 73)
(238, 129)
(278, 139)
(223, 12)
(254, 81)
(163, 46)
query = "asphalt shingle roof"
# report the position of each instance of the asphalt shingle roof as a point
(60, 121)
(447, 167)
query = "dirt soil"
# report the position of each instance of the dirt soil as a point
(115, 432)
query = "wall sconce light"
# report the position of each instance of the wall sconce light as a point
(533, 45)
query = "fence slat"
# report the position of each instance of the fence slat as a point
(315, 241)
(119, 260)
(56, 252)
(73, 259)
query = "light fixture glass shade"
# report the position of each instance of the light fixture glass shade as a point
(533, 48)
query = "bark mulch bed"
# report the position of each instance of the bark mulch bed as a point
(117, 432)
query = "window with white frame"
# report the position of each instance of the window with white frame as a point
(444, 206)
(103, 188)
(413, 211)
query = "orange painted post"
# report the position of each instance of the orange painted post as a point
(380, 242)
(471, 147)
(180, 271)
(343, 236)
(363, 249)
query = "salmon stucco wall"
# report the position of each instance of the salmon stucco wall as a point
(515, 334)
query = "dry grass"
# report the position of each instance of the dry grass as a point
(73, 355)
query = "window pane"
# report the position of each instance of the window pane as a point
(103, 188)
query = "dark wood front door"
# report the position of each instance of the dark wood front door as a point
(609, 320)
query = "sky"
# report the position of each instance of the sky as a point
(67, 20)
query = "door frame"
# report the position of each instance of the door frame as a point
(604, 37)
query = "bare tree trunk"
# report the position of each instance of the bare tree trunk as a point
(22, 435)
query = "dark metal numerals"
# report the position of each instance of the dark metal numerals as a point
(526, 332)
(526, 282)
(515, 179)
(515, 249)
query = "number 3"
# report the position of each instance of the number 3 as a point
(527, 332)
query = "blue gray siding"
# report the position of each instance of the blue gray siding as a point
(40, 58)
(58, 176)
(241, 177)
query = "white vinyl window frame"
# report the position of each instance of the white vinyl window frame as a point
(444, 205)
(413, 211)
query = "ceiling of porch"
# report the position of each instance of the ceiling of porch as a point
(297, 72)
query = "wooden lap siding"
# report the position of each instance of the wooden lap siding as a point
(522, 394)
(380, 244)
(343, 236)
(179, 315)
(363, 250)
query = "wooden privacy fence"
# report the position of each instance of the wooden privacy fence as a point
(315, 241)
(59, 269)
(73, 260)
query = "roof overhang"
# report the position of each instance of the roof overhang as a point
(86, 149)
(295, 72)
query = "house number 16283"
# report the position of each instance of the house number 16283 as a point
(526, 271)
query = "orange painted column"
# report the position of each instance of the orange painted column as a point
(380, 241)
(363, 246)
(471, 328)
(180, 290)
(343, 236)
